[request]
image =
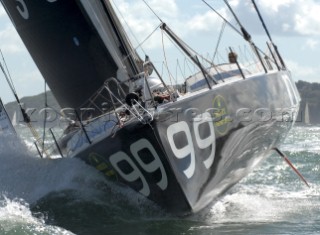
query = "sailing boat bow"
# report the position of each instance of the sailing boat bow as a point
(179, 149)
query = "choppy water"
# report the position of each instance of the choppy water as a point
(65, 196)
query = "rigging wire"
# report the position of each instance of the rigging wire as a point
(181, 51)
(182, 73)
(9, 75)
(140, 45)
(261, 20)
(186, 62)
(186, 49)
(245, 34)
(165, 58)
(176, 78)
(219, 40)
(152, 11)
(2, 109)
(129, 28)
(192, 50)
(267, 32)
(247, 37)
(224, 19)
(26, 117)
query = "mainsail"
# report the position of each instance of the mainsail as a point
(76, 44)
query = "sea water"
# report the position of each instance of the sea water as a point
(65, 196)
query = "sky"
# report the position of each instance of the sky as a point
(294, 26)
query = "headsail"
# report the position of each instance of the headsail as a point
(76, 44)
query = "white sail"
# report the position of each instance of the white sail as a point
(306, 114)
(14, 119)
(5, 123)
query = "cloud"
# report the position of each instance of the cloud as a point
(9, 38)
(302, 72)
(2, 12)
(165, 7)
(139, 21)
(205, 22)
(274, 5)
(285, 17)
(312, 43)
(31, 76)
(295, 17)
(307, 20)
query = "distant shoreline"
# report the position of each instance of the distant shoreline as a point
(309, 92)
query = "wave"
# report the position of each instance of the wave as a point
(16, 218)
(22, 175)
(303, 139)
(62, 192)
(44, 196)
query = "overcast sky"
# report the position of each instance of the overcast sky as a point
(293, 24)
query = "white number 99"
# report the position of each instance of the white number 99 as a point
(134, 175)
(185, 151)
(153, 165)
(206, 142)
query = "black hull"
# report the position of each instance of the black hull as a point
(198, 147)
